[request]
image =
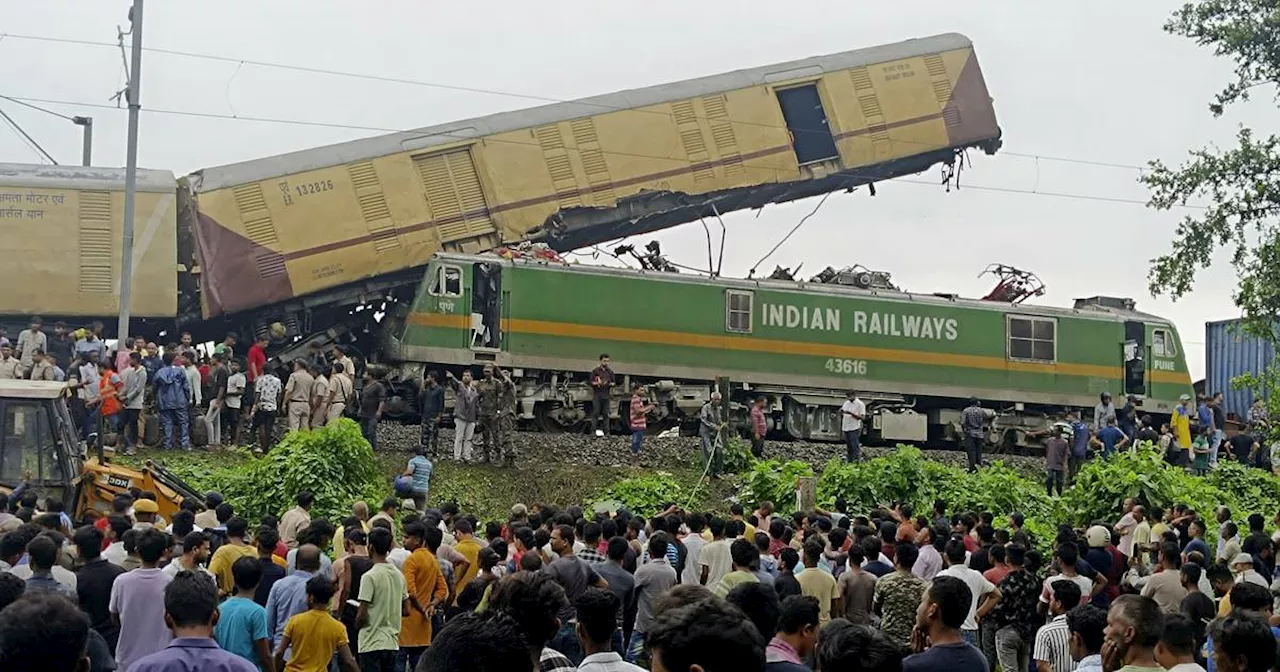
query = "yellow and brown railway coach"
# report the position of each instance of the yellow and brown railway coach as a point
(577, 173)
(63, 231)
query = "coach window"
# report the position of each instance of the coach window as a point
(737, 311)
(448, 281)
(1033, 339)
(1162, 344)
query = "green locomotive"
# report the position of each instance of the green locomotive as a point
(916, 359)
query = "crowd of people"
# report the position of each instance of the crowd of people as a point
(411, 586)
(233, 397)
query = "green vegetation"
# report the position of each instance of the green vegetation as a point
(335, 463)
(338, 466)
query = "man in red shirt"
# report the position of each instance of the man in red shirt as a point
(758, 428)
(255, 366)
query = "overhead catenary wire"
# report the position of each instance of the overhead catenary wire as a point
(240, 62)
(38, 108)
(27, 136)
(793, 230)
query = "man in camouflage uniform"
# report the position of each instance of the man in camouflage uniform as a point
(506, 424)
(491, 389)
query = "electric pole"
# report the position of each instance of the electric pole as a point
(131, 170)
(87, 147)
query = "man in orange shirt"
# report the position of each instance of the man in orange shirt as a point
(108, 400)
(426, 587)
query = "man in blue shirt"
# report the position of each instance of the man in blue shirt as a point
(172, 393)
(1079, 445)
(242, 623)
(420, 470)
(1111, 438)
(191, 605)
(288, 597)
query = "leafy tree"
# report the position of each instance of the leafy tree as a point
(1241, 184)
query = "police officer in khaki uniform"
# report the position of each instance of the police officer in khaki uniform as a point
(297, 394)
(340, 390)
(319, 393)
(491, 389)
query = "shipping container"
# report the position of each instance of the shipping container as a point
(1228, 353)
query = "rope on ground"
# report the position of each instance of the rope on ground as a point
(717, 444)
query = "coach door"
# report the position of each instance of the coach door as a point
(807, 122)
(1135, 348)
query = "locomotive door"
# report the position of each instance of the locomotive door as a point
(486, 306)
(1135, 348)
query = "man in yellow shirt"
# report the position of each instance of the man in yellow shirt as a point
(314, 635)
(1181, 421)
(470, 549)
(749, 533)
(227, 554)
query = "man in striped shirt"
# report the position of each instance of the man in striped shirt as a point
(758, 427)
(1052, 651)
(639, 409)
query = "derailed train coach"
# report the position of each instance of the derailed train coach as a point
(297, 240)
(916, 359)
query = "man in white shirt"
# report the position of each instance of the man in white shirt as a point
(852, 413)
(714, 558)
(693, 543)
(236, 384)
(985, 594)
(195, 555)
(29, 341)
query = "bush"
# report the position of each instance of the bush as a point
(335, 463)
(1254, 490)
(1102, 486)
(737, 455)
(774, 481)
(646, 495)
(905, 476)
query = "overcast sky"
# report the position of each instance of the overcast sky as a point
(1090, 80)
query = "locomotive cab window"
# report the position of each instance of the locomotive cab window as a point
(737, 311)
(1162, 344)
(1033, 339)
(447, 281)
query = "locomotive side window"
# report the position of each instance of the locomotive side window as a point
(448, 281)
(1033, 339)
(737, 311)
(1162, 344)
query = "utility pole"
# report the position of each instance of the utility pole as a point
(131, 170)
(87, 149)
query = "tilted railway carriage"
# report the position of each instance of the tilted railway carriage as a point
(287, 238)
(916, 358)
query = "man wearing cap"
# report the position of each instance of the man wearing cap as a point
(519, 513)
(1104, 411)
(1242, 567)
(144, 514)
(1100, 560)
(1182, 428)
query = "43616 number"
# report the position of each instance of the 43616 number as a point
(848, 367)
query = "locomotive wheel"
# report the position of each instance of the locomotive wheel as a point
(545, 421)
